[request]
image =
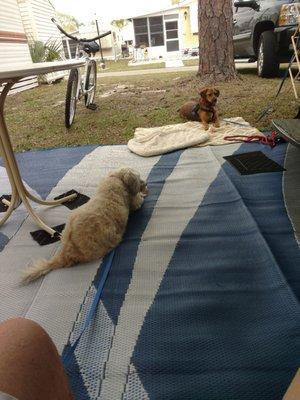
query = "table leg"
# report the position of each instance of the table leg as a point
(11, 206)
(50, 202)
(14, 193)
(18, 189)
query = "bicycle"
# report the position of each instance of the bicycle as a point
(81, 84)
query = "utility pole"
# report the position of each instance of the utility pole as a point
(102, 64)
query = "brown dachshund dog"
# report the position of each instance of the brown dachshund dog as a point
(203, 111)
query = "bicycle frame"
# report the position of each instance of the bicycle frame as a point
(81, 91)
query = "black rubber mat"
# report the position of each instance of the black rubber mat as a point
(77, 202)
(254, 162)
(43, 238)
(4, 207)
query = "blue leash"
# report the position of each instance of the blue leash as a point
(106, 266)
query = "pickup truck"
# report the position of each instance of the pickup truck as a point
(262, 32)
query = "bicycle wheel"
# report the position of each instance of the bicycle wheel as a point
(90, 83)
(71, 98)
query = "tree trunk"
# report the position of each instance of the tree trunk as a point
(216, 57)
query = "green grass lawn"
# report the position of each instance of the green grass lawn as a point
(122, 65)
(36, 117)
(188, 63)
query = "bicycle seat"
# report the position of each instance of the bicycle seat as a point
(90, 47)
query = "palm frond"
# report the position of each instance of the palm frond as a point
(53, 50)
(37, 51)
(49, 51)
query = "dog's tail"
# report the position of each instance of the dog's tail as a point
(42, 267)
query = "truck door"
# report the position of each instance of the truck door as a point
(242, 19)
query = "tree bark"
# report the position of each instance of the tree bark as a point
(216, 57)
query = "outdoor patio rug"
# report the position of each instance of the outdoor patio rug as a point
(202, 301)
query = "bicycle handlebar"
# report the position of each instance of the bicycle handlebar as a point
(76, 38)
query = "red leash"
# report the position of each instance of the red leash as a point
(268, 140)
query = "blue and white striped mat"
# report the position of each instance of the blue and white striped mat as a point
(202, 300)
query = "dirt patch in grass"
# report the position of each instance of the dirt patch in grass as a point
(36, 117)
(130, 90)
(122, 65)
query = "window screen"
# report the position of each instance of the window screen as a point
(156, 31)
(141, 31)
(173, 45)
(171, 25)
(172, 34)
(171, 16)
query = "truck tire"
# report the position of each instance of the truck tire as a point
(267, 60)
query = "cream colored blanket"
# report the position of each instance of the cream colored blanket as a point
(149, 142)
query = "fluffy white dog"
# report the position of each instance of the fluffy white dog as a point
(97, 227)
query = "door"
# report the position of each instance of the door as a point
(242, 19)
(172, 38)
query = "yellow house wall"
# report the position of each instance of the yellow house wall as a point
(189, 39)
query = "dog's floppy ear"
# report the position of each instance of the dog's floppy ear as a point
(217, 92)
(131, 180)
(203, 92)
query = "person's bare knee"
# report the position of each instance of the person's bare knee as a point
(30, 366)
(15, 324)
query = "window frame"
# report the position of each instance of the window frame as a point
(149, 33)
(146, 33)
(172, 41)
(161, 32)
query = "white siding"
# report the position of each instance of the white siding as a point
(12, 51)
(27, 19)
(36, 16)
(194, 17)
(43, 12)
(10, 19)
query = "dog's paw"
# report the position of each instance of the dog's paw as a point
(144, 189)
(138, 201)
